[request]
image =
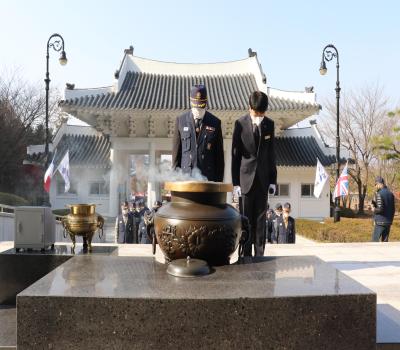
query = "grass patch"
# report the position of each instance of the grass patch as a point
(347, 230)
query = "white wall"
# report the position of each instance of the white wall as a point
(305, 207)
(108, 205)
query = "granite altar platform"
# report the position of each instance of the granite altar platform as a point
(107, 302)
(18, 270)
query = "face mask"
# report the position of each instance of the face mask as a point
(198, 112)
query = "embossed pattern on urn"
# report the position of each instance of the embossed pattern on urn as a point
(198, 223)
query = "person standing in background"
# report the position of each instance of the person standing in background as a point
(269, 225)
(285, 226)
(124, 225)
(384, 209)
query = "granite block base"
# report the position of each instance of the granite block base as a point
(96, 302)
(18, 270)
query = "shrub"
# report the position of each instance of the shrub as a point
(347, 230)
(12, 199)
(61, 212)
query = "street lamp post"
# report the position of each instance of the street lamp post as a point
(328, 53)
(55, 42)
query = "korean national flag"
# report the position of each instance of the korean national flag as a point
(321, 176)
(63, 168)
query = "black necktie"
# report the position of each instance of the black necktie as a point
(197, 124)
(256, 133)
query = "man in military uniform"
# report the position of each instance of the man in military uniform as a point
(254, 167)
(124, 225)
(198, 141)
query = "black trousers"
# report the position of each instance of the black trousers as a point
(254, 206)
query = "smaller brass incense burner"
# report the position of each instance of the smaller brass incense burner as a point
(83, 221)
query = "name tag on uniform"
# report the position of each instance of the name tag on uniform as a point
(186, 128)
(267, 137)
(210, 128)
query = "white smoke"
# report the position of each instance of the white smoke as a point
(164, 173)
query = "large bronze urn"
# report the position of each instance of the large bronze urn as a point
(198, 223)
(83, 221)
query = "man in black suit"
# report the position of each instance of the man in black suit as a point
(198, 141)
(254, 167)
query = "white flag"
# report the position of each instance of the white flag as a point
(63, 168)
(320, 178)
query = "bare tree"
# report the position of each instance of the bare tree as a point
(22, 110)
(361, 119)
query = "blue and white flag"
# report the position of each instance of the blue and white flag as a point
(321, 176)
(63, 168)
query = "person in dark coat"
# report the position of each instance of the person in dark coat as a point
(277, 214)
(124, 225)
(384, 209)
(198, 141)
(254, 167)
(269, 225)
(142, 225)
(286, 229)
(136, 221)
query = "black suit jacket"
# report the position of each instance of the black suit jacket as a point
(205, 152)
(249, 159)
(283, 234)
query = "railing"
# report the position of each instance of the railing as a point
(6, 209)
(6, 223)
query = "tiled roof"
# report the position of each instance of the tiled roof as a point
(84, 150)
(155, 91)
(300, 151)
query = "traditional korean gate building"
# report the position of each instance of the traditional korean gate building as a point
(135, 116)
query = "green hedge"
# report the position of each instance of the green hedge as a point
(347, 230)
(61, 212)
(12, 199)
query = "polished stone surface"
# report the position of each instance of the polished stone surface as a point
(65, 249)
(271, 303)
(8, 329)
(18, 270)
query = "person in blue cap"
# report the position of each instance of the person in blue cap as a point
(198, 141)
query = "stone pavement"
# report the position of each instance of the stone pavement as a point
(375, 265)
